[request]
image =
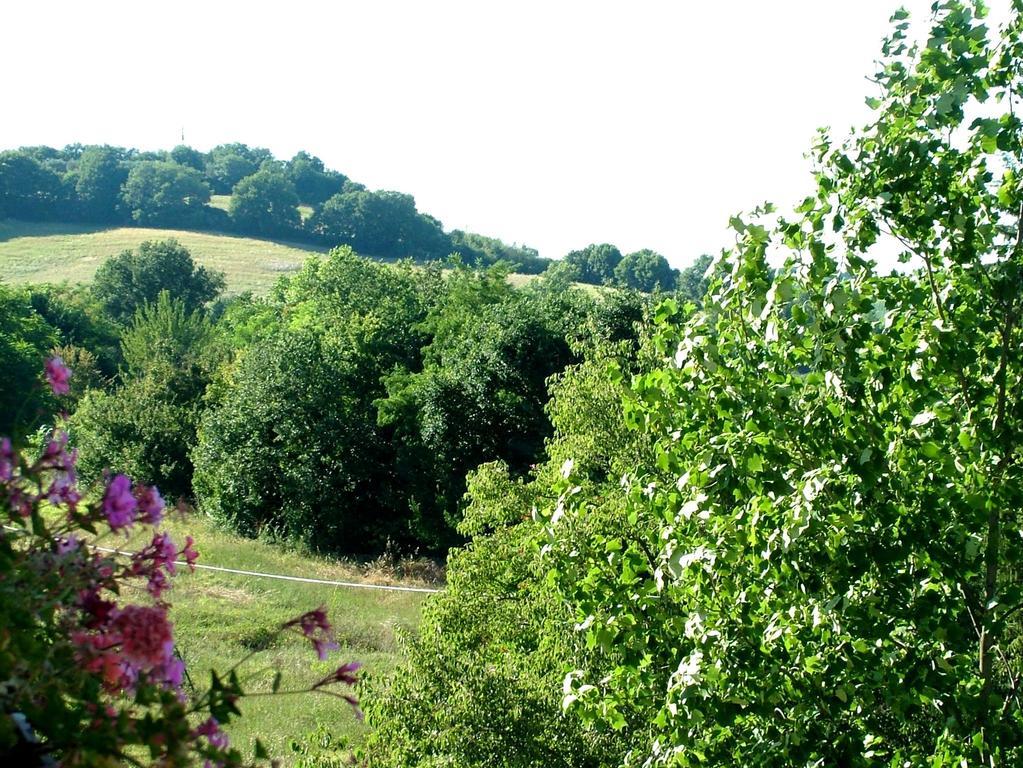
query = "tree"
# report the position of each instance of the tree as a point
(379, 224)
(481, 393)
(293, 447)
(164, 194)
(98, 181)
(594, 264)
(645, 270)
(81, 322)
(491, 644)
(313, 183)
(28, 190)
(25, 339)
(227, 164)
(815, 564)
(291, 442)
(692, 281)
(490, 250)
(185, 155)
(126, 282)
(265, 203)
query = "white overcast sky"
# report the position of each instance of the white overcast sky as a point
(553, 124)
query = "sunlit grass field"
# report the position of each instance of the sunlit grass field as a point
(33, 252)
(54, 253)
(219, 618)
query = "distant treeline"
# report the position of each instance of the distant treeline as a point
(298, 199)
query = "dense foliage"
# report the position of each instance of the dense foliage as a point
(813, 557)
(820, 563)
(127, 282)
(362, 394)
(770, 517)
(492, 644)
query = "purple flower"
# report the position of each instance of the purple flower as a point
(68, 545)
(118, 503)
(173, 671)
(150, 504)
(211, 730)
(316, 626)
(343, 674)
(57, 375)
(56, 456)
(324, 645)
(64, 491)
(6, 460)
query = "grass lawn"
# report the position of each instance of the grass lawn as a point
(220, 617)
(53, 253)
(47, 252)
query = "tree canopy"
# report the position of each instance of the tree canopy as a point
(265, 204)
(128, 281)
(157, 192)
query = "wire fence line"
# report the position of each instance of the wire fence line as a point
(282, 577)
(279, 576)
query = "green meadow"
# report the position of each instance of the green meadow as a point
(221, 618)
(58, 252)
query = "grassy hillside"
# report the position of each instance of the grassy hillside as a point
(220, 617)
(52, 253)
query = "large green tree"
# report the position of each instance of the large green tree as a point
(265, 204)
(28, 189)
(227, 164)
(126, 282)
(145, 427)
(379, 224)
(594, 264)
(291, 442)
(161, 193)
(99, 176)
(818, 564)
(314, 184)
(645, 270)
(25, 340)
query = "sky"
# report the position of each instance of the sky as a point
(551, 124)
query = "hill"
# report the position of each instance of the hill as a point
(48, 252)
(54, 252)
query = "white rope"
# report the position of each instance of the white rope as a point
(352, 584)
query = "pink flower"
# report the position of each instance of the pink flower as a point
(157, 584)
(21, 502)
(56, 456)
(57, 375)
(316, 627)
(189, 553)
(150, 504)
(98, 609)
(173, 672)
(118, 503)
(145, 635)
(155, 562)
